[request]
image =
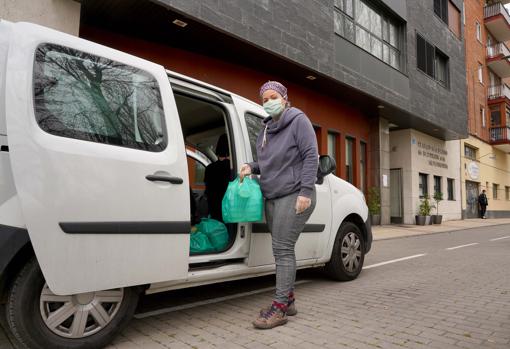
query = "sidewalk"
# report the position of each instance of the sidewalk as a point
(382, 232)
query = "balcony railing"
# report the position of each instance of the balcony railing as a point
(500, 134)
(497, 50)
(496, 9)
(499, 91)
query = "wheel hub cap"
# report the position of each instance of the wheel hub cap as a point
(80, 315)
(351, 252)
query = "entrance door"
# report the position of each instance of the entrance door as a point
(472, 192)
(98, 160)
(396, 195)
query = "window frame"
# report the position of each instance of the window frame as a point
(495, 188)
(450, 184)
(387, 22)
(348, 175)
(336, 148)
(254, 148)
(424, 190)
(473, 149)
(38, 71)
(443, 15)
(478, 31)
(427, 61)
(436, 184)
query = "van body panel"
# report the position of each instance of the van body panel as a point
(5, 28)
(66, 180)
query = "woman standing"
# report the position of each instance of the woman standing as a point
(287, 164)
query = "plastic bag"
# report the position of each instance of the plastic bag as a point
(199, 243)
(242, 202)
(216, 231)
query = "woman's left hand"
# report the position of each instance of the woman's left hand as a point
(302, 203)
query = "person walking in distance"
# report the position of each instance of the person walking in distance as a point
(483, 202)
(288, 160)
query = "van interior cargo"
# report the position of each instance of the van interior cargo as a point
(203, 122)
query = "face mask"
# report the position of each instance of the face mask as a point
(273, 107)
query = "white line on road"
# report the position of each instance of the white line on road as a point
(394, 261)
(456, 247)
(504, 237)
(208, 301)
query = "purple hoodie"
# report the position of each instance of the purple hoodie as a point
(287, 155)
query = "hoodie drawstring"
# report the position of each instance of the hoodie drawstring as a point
(264, 138)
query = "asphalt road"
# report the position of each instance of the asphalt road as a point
(447, 290)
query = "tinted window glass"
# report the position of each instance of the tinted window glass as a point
(254, 126)
(83, 96)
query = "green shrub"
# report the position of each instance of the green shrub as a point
(374, 201)
(425, 207)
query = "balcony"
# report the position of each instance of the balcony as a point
(496, 94)
(497, 59)
(500, 138)
(497, 21)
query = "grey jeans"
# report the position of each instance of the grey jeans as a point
(285, 226)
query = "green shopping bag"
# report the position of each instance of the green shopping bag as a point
(242, 202)
(215, 231)
(199, 243)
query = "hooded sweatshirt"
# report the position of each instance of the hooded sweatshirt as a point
(287, 155)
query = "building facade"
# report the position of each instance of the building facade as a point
(381, 80)
(485, 161)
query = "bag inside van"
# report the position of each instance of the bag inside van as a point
(209, 150)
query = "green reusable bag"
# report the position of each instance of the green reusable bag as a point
(243, 202)
(216, 231)
(199, 243)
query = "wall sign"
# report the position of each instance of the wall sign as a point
(436, 155)
(473, 170)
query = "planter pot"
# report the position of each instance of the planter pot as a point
(431, 220)
(375, 219)
(437, 219)
(421, 220)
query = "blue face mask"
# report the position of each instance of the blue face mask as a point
(274, 107)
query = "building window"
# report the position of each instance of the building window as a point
(480, 72)
(507, 193)
(349, 159)
(495, 188)
(318, 136)
(432, 61)
(482, 116)
(423, 185)
(332, 146)
(363, 166)
(371, 29)
(450, 183)
(441, 9)
(469, 152)
(454, 19)
(495, 115)
(437, 184)
(478, 31)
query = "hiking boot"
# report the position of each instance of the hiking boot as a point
(275, 316)
(291, 308)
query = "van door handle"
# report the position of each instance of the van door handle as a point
(163, 178)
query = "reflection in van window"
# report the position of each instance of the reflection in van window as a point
(83, 96)
(254, 126)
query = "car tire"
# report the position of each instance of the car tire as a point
(348, 253)
(25, 315)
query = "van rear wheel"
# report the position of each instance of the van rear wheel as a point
(348, 253)
(39, 319)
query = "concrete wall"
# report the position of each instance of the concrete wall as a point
(63, 15)
(494, 167)
(409, 151)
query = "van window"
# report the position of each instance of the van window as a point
(254, 125)
(83, 96)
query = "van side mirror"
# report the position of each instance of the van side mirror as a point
(326, 166)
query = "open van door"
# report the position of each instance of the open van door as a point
(98, 160)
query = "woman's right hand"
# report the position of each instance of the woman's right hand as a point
(244, 171)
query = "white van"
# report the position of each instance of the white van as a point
(101, 155)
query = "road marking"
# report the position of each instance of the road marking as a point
(504, 237)
(394, 261)
(208, 301)
(456, 247)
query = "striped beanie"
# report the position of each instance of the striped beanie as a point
(275, 86)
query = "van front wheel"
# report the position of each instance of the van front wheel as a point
(348, 253)
(40, 319)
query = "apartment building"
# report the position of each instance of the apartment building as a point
(485, 154)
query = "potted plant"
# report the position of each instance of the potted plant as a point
(374, 205)
(437, 218)
(423, 217)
